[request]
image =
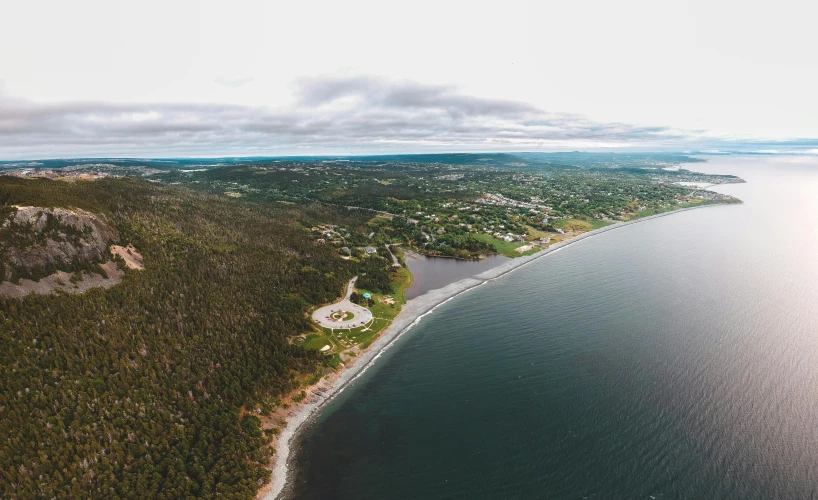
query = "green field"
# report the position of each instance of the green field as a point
(579, 225)
(316, 341)
(507, 248)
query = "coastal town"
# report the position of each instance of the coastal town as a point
(447, 208)
(55, 174)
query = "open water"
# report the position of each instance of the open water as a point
(675, 358)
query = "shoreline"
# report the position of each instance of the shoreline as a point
(410, 315)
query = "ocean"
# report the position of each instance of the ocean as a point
(675, 358)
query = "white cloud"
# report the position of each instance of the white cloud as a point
(378, 115)
(607, 74)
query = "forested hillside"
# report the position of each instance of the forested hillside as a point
(136, 391)
(140, 390)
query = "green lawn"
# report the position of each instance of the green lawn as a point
(316, 341)
(362, 336)
(579, 225)
(401, 282)
(507, 248)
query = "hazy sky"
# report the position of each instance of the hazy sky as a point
(102, 78)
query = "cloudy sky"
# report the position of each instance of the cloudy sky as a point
(102, 78)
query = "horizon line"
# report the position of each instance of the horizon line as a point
(810, 152)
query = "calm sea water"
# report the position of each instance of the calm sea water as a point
(430, 273)
(677, 358)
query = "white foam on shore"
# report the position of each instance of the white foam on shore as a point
(410, 315)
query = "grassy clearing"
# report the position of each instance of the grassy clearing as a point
(507, 248)
(362, 336)
(365, 338)
(579, 225)
(401, 281)
(316, 341)
(535, 234)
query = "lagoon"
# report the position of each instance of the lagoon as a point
(430, 273)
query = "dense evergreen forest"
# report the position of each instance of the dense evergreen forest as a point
(137, 391)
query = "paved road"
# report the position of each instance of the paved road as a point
(394, 259)
(362, 314)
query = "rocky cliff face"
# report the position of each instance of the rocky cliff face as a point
(36, 240)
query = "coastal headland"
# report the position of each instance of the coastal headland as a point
(279, 238)
(412, 312)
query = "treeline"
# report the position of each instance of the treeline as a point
(135, 392)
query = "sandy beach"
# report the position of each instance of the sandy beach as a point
(413, 311)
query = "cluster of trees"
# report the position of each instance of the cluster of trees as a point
(463, 245)
(355, 298)
(375, 275)
(137, 390)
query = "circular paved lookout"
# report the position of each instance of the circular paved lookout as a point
(324, 316)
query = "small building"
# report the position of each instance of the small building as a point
(370, 250)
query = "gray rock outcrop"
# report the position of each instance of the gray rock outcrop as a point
(36, 237)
